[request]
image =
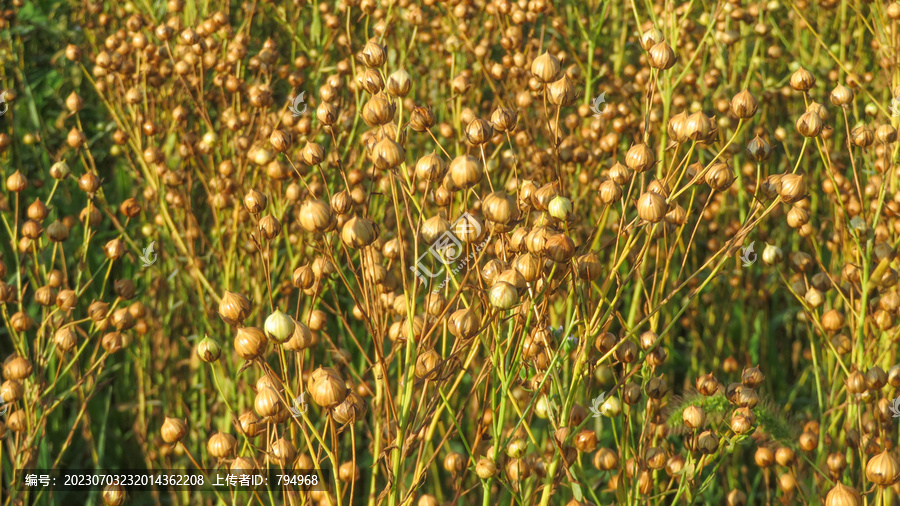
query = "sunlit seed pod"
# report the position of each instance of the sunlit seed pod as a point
(315, 216)
(234, 308)
(809, 124)
(422, 119)
(720, 177)
(352, 409)
(697, 126)
(560, 208)
(518, 470)
(610, 192)
(832, 320)
(784, 456)
(114, 494)
(326, 388)
(250, 343)
(545, 68)
(707, 442)
(842, 495)
(485, 468)
(11, 391)
(562, 92)
(173, 430)
(588, 266)
(463, 323)
(399, 83)
(372, 55)
(841, 95)
(431, 167)
(65, 339)
(875, 378)
(388, 154)
(694, 417)
(503, 296)
(499, 207)
(626, 352)
(479, 132)
(883, 469)
(560, 248)
(280, 140)
(250, 424)
(466, 171)
(503, 119)
(661, 56)
(802, 80)
(862, 137)
(758, 150)
(242, 466)
(744, 105)
(652, 207)
(886, 134)
(378, 110)
(221, 445)
(792, 188)
(640, 158)
(17, 421)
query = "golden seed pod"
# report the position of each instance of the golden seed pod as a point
(463, 323)
(610, 192)
(73, 53)
(269, 227)
(17, 421)
(784, 456)
(378, 110)
(59, 170)
(234, 308)
(11, 391)
(250, 343)
(479, 131)
(694, 417)
(736, 498)
(652, 207)
(486, 468)
(586, 441)
(720, 177)
(282, 452)
(862, 137)
(327, 113)
(792, 188)
(503, 296)
(758, 150)
(772, 255)
(433, 228)
(842, 495)
(221, 445)
(65, 339)
(802, 80)
(886, 134)
(707, 442)
(20, 321)
(518, 470)
(661, 56)
(841, 96)
(267, 402)
(428, 365)
(650, 38)
(114, 495)
(242, 466)
(883, 469)
(280, 140)
(326, 388)
(372, 55)
(208, 350)
(809, 124)
(315, 216)
(98, 310)
(466, 171)
(454, 462)
(503, 119)
(312, 154)
(173, 430)
(250, 424)
(341, 202)
(422, 119)
(74, 103)
(16, 182)
(545, 68)
(500, 207)
(697, 126)
(431, 167)
(301, 339)
(560, 248)
(399, 83)
(255, 202)
(388, 154)
(279, 327)
(560, 208)
(562, 92)
(677, 127)
(352, 409)
(370, 80)
(640, 158)
(358, 232)
(744, 105)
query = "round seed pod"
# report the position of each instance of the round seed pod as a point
(250, 424)
(842, 495)
(792, 188)
(841, 95)
(173, 430)
(279, 327)
(463, 323)
(610, 192)
(883, 469)
(208, 350)
(282, 453)
(17, 368)
(809, 124)
(485, 468)
(466, 171)
(422, 119)
(652, 207)
(640, 158)
(399, 83)
(17, 421)
(65, 339)
(503, 296)
(720, 177)
(255, 202)
(315, 216)
(694, 417)
(661, 56)
(697, 126)
(758, 150)
(562, 92)
(378, 110)
(114, 495)
(388, 154)
(352, 409)
(326, 388)
(503, 119)
(802, 80)
(357, 232)
(431, 167)
(267, 402)
(428, 365)
(11, 391)
(250, 343)
(234, 308)
(545, 68)
(479, 132)
(499, 207)
(221, 445)
(744, 105)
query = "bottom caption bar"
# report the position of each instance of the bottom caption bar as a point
(173, 479)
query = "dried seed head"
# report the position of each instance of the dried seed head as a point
(234, 308)
(652, 207)
(352, 409)
(640, 158)
(378, 110)
(610, 192)
(372, 55)
(499, 207)
(841, 96)
(388, 154)
(255, 202)
(758, 149)
(503, 296)
(883, 469)
(16, 182)
(173, 430)
(431, 167)
(545, 68)
(221, 445)
(802, 80)
(662, 56)
(422, 119)
(466, 171)
(315, 216)
(250, 343)
(650, 38)
(744, 105)
(326, 387)
(503, 119)
(398, 83)
(358, 232)
(842, 495)
(479, 132)
(792, 188)
(694, 417)
(280, 140)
